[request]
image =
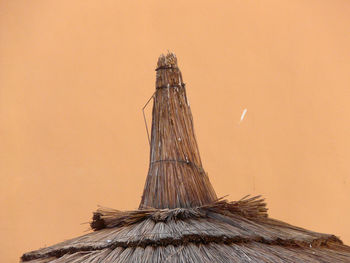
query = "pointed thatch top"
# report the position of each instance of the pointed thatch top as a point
(176, 177)
(198, 227)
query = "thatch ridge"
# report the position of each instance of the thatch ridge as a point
(252, 207)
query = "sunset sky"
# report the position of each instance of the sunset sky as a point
(74, 76)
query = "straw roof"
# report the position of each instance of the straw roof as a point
(180, 218)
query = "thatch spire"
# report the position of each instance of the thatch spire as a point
(198, 227)
(176, 177)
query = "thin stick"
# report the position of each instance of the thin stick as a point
(144, 117)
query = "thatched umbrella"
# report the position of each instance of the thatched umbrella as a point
(180, 218)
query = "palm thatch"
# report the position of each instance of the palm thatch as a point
(180, 219)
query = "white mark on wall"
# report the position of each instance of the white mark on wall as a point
(243, 114)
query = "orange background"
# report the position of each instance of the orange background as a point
(74, 76)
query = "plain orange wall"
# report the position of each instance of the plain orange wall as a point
(74, 76)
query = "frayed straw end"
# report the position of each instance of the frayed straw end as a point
(253, 207)
(167, 61)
